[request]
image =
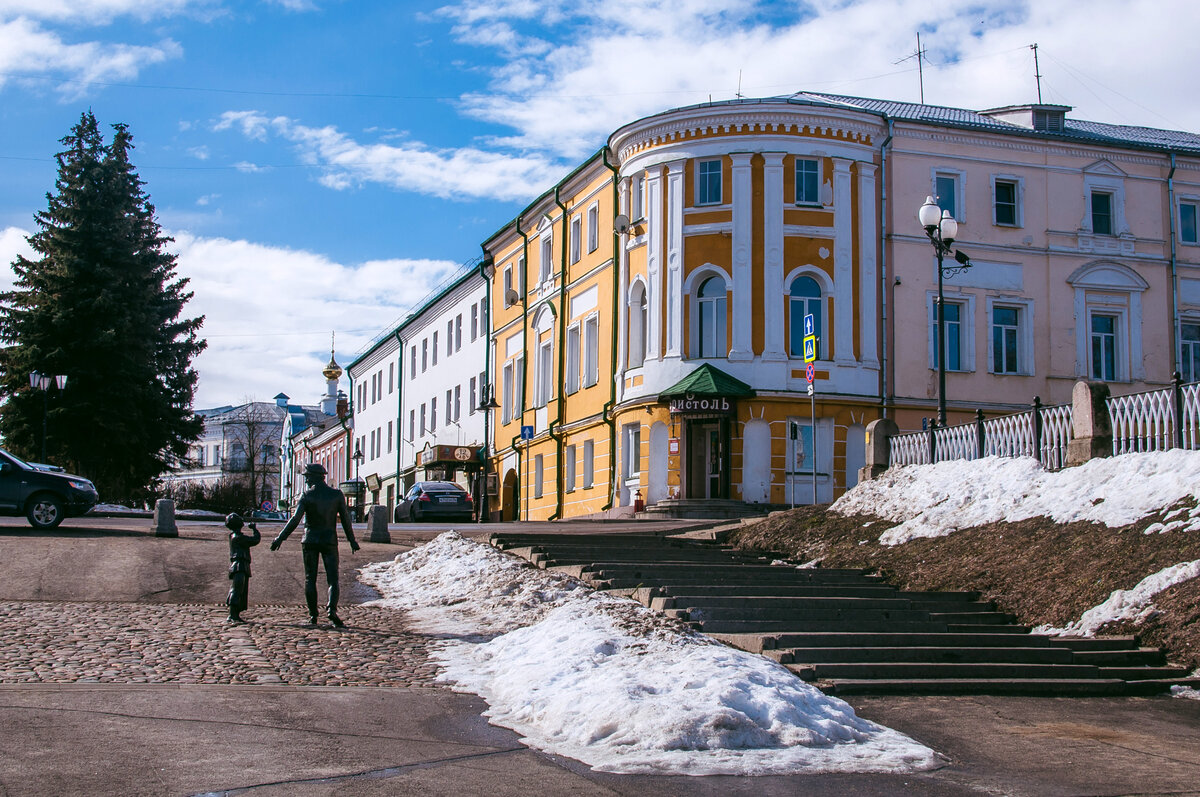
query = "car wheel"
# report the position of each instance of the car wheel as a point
(45, 511)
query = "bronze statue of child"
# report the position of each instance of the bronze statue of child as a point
(239, 565)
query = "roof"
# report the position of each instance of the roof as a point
(709, 380)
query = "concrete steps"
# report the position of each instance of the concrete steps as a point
(846, 630)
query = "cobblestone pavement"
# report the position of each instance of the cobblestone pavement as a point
(103, 642)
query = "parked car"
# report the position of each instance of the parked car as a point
(442, 500)
(262, 514)
(44, 497)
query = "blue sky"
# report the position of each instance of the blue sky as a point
(324, 163)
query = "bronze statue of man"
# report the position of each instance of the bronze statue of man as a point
(239, 565)
(321, 507)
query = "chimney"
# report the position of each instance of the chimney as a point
(281, 400)
(343, 404)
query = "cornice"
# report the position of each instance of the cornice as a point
(996, 140)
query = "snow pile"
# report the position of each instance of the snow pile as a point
(936, 500)
(618, 686)
(1128, 604)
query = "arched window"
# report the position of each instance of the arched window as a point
(803, 298)
(637, 326)
(711, 306)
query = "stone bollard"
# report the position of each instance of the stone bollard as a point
(879, 447)
(377, 524)
(1090, 423)
(164, 518)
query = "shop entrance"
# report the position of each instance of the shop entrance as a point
(707, 472)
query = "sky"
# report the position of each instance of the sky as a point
(324, 164)
(609, 682)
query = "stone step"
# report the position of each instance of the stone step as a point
(947, 655)
(1094, 643)
(815, 590)
(757, 643)
(742, 626)
(1145, 673)
(850, 614)
(1139, 657)
(900, 670)
(720, 606)
(1044, 687)
(986, 617)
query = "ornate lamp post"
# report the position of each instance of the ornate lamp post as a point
(358, 458)
(486, 405)
(40, 381)
(942, 229)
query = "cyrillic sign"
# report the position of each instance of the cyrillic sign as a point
(690, 403)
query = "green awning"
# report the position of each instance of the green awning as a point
(708, 380)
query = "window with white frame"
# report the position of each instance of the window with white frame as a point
(412, 373)
(424, 421)
(591, 350)
(547, 262)
(391, 378)
(804, 298)
(433, 350)
(449, 337)
(808, 181)
(506, 392)
(1006, 339)
(711, 303)
(1187, 222)
(1103, 331)
(589, 466)
(458, 332)
(424, 354)
(1104, 199)
(474, 321)
(569, 469)
(539, 475)
(433, 414)
(947, 187)
(471, 403)
(1101, 205)
(457, 403)
(960, 337)
(571, 377)
(800, 453)
(1189, 351)
(449, 407)
(593, 224)
(389, 437)
(637, 325)
(1006, 202)
(519, 376)
(412, 425)
(637, 197)
(633, 450)
(708, 182)
(543, 378)
(576, 239)
(508, 287)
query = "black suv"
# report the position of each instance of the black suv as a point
(44, 497)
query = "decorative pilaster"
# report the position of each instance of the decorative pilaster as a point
(674, 226)
(654, 259)
(868, 242)
(742, 347)
(843, 266)
(773, 290)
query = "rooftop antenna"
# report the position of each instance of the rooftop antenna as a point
(920, 56)
(1037, 72)
(739, 91)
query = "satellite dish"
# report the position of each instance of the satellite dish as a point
(621, 224)
(511, 297)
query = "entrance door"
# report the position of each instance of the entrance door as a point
(706, 460)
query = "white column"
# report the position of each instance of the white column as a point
(620, 304)
(654, 258)
(742, 347)
(773, 291)
(674, 295)
(843, 266)
(868, 242)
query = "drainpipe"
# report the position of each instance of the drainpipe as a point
(562, 354)
(524, 275)
(345, 428)
(612, 383)
(399, 415)
(1175, 329)
(884, 393)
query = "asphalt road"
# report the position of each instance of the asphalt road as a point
(119, 676)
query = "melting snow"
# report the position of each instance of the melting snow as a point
(1128, 604)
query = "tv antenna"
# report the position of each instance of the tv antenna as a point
(739, 90)
(920, 56)
(1037, 72)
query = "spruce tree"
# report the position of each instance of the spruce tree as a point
(101, 304)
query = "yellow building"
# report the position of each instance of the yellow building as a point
(647, 316)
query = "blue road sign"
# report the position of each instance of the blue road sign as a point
(526, 432)
(810, 325)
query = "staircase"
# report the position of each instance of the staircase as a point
(847, 631)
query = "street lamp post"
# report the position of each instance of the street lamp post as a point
(359, 493)
(40, 381)
(487, 403)
(942, 229)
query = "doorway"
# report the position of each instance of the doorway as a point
(707, 458)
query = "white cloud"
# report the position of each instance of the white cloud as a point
(411, 166)
(98, 11)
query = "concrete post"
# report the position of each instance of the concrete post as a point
(1090, 423)
(377, 524)
(164, 518)
(879, 447)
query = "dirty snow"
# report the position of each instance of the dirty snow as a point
(936, 500)
(1128, 604)
(620, 687)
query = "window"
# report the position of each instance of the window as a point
(434, 349)
(1102, 213)
(471, 403)
(506, 414)
(576, 238)
(449, 407)
(413, 369)
(539, 475)
(804, 298)
(1187, 223)
(389, 437)
(547, 262)
(569, 469)
(508, 287)
(591, 351)
(450, 337)
(424, 425)
(637, 197)
(474, 321)
(1104, 346)
(412, 425)
(637, 326)
(708, 183)
(1189, 356)
(424, 354)
(457, 403)
(1004, 203)
(947, 187)
(433, 414)
(593, 223)
(808, 181)
(544, 375)
(957, 340)
(711, 324)
(519, 378)
(800, 446)
(589, 466)
(458, 332)
(391, 378)
(633, 450)
(571, 378)
(1005, 340)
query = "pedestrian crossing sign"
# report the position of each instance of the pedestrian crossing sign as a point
(810, 348)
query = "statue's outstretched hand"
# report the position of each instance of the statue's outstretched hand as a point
(354, 546)
(275, 543)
